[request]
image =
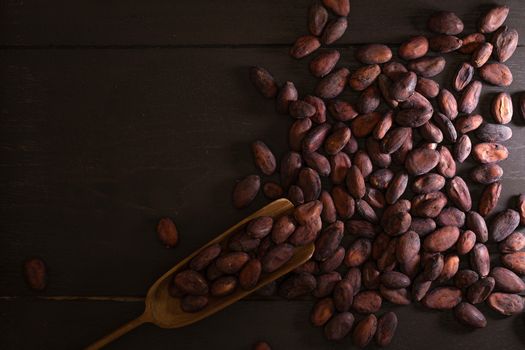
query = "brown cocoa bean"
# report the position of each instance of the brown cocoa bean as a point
(328, 214)
(318, 162)
(366, 211)
(260, 227)
(467, 123)
(300, 109)
(374, 54)
(463, 76)
(343, 295)
(445, 43)
(451, 217)
(388, 261)
(465, 278)
(35, 273)
(339, 326)
(428, 205)
(264, 158)
(322, 311)
(277, 257)
(384, 125)
(205, 257)
(287, 94)
(470, 98)
(477, 224)
(450, 268)
(415, 47)
(513, 243)
(420, 161)
(297, 285)
(471, 43)
(496, 74)
(381, 178)
(250, 274)
(339, 164)
(334, 30)
(394, 70)
(333, 84)
(505, 41)
(489, 198)
(482, 55)
(344, 203)
(493, 19)
(306, 234)
(507, 281)
(427, 87)
(427, 66)
(364, 331)
(399, 296)
(502, 108)
(422, 226)
(503, 224)
(469, 315)
(379, 159)
(317, 18)
(297, 133)
(394, 139)
(325, 284)
(445, 22)
(397, 187)
(304, 46)
(445, 125)
(367, 302)
(358, 252)
(375, 198)
(310, 182)
(324, 63)
(441, 239)
(486, 173)
(430, 132)
(433, 267)
(193, 303)
(386, 329)
(395, 280)
(404, 86)
(223, 286)
(245, 191)
(462, 148)
(480, 259)
(334, 261)
(339, 7)
(446, 165)
(493, 133)
(335, 142)
(466, 242)
(515, 262)
(369, 100)
(420, 287)
(448, 104)
(428, 183)
(442, 298)
(361, 228)
(329, 241)
(353, 275)
(191, 282)
(407, 247)
(342, 110)
(384, 84)
(295, 195)
(364, 124)
(320, 115)
(272, 190)
(264, 82)
(167, 232)
(459, 193)
(506, 304)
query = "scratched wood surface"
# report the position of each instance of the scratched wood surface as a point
(113, 115)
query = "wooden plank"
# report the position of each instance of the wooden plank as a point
(285, 325)
(208, 22)
(96, 145)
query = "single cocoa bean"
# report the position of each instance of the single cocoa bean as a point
(297, 285)
(445, 43)
(364, 331)
(505, 41)
(480, 259)
(35, 273)
(342, 110)
(513, 243)
(245, 191)
(324, 63)
(427, 66)
(486, 173)
(503, 224)
(304, 46)
(334, 30)
(445, 22)
(317, 18)
(167, 232)
(482, 55)
(288, 93)
(496, 74)
(465, 278)
(386, 329)
(470, 98)
(441, 239)
(466, 242)
(264, 82)
(339, 326)
(339, 7)
(515, 262)
(489, 198)
(367, 302)
(507, 281)
(469, 315)
(442, 298)
(471, 43)
(493, 133)
(502, 108)
(191, 282)
(374, 54)
(322, 311)
(493, 19)
(193, 303)
(415, 47)
(506, 304)
(333, 84)
(205, 257)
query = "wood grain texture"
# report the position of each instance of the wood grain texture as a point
(209, 22)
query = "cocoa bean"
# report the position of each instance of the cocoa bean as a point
(467, 123)
(459, 193)
(272, 190)
(297, 133)
(264, 82)
(324, 63)
(493, 133)
(325, 284)
(374, 54)
(506, 304)
(493, 19)
(343, 295)
(167, 232)
(441, 239)
(379, 159)
(502, 108)
(296, 195)
(471, 43)
(477, 224)
(515, 262)
(445, 22)
(448, 104)
(428, 183)
(394, 139)
(361, 228)
(442, 298)
(191, 282)
(489, 198)
(304, 46)
(415, 47)
(465, 278)
(193, 303)
(342, 110)
(364, 331)
(428, 205)
(503, 224)
(318, 162)
(339, 164)
(507, 281)
(353, 275)
(466, 242)
(463, 76)
(422, 226)
(205, 257)
(395, 280)
(245, 191)
(451, 217)
(369, 100)
(486, 173)
(427, 87)
(513, 243)
(420, 287)
(277, 257)
(344, 203)
(334, 30)
(320, 115)
(364, 124)
(310, 182)
(450, 268)
(334, 261)
(462, 148)
(445, 125)
(433, 267)
(287, 94)
(339, 326)
(375, 198)
(480, 259)
(322, 311)
(306, 234)
(333, 84)
(427, 66)
(496, 74)
(366, 211)
(404, 86)
(470, 98)
(250, 274)
(223, 286)
(381, 178)
(297, 285)
(397, 187)
(339, 7)
(394, 70)
(446, 165)
(358, 252)
(505, 41)
(367, 302)
(469, 315)
(399, 296)
(386, 328)
(329, 241)
(482, 55)
(420, 161)
(445, 43)
(317, 18)
(300, 109)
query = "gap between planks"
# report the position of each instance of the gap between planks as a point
(124, 299)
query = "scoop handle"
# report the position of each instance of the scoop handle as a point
(117, 333)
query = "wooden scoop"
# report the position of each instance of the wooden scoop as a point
(165, 311)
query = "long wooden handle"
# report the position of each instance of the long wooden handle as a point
(99, 344)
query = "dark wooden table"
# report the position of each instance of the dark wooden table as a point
(114, 114)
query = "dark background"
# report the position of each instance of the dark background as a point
(116, 113)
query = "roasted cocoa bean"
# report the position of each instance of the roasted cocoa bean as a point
(322, 311)
(343, 295)
(297, 133)
(223, 286)
(297, 285)
(428, 205)
(295, 195)
(342, 110)
(451, 217)
(250, 274)
(445, 125)
(486, 173)
(272, 190)
(420, 161)
(329, 241)
(320, 115)
(260, 227)
(515, 262)
(304, 46)
(288, 93)
(355, 182)
(493, 19)
(324, 63)
(445, 43)
(441, 239)
(167, 232)
(427, 66)
(35, 273)
(446, 165)
(467, 123)
(361, 228)
(496, 74)
(381, 178)
(358, 252)
(505, 41)
(445, 22)
(394, 139)
(339, 326)
(344, 203)
(379, 159)
(394, 70)
(506, 304)
(430, 132)
(245, 191)
(363, 162)
(325, 284)
(369, 100)
(463, 76)
(317, 18)
(482, 55)
(450, 268)
(386, 329)
(339, 164)
(448, 104)
(503, 224)
(264, 82)
(502, 108)
(471, 43)
(507, 281)
(465, 278)
(310, 182)
(300, 109)
(433, 267)
(193, 303)
(466, 242)
(334, 30)
(427, 87)
(469, 315)
(415, 47)
(333, 84)
(397, 187)
(364, 331)
(470, 98)
(462, 148)
(205, 257)
(513, 243)
(420, 287)
(493, 133)
(364, 124)
(367, 302)
(459, 193)
(277, 257)
(374, 54)
(428, 183)
(334, 261)
(422, 226)
(191, 282)
(404, 86)
(480, 259)
(442, 298)
(489, 198)
(339, 7)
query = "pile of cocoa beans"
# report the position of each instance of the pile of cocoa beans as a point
(398, 222)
